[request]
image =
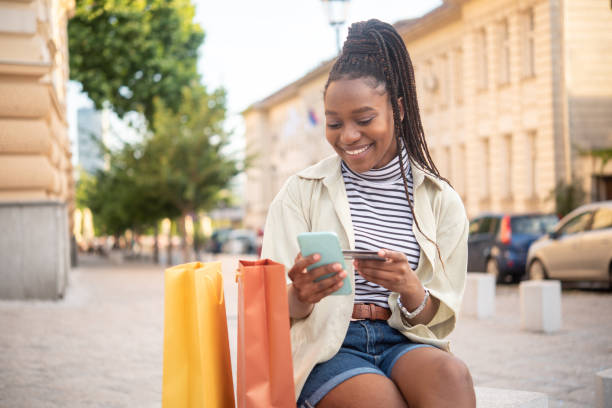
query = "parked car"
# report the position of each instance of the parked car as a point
(241, 241)
(218, 238)
(578, 249)
(498, 243)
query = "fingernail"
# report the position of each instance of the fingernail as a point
(337, 267)
(342, 274)
(316, 257)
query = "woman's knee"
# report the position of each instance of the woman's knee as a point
(453, 372)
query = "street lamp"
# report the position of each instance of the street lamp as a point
(337, 13)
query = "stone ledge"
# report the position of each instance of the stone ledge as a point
(504, 398)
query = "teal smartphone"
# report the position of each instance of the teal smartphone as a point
(327, 245)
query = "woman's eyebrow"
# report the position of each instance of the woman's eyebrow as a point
(364, 109)
(359, 110)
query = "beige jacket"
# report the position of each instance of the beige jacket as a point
(315, 200)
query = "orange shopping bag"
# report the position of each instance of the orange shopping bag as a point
(197, 365)
(265, 369)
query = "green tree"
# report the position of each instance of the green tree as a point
(189, 151)
(128, 52)
(567, 196)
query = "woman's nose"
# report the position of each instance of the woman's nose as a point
(349, 135)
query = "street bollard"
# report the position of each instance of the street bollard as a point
(479, 297)
(603, 389)
(540, 304)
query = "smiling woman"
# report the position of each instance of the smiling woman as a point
(383, 345)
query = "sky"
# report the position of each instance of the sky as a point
(254, 48)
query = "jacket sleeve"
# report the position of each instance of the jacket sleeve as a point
(285, 220)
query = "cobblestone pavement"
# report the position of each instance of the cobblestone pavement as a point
(101, 346)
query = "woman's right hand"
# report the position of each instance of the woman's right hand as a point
(305, 289)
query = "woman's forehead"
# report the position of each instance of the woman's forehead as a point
(353, 92)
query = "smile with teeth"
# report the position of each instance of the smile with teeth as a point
(358, 151)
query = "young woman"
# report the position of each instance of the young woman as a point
(383, 346)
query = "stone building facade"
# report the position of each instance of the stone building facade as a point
(36, 183)
(514, 95)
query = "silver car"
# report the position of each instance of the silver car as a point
(578, 249)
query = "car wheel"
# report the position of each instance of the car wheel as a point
(493, 270)
(537, 271)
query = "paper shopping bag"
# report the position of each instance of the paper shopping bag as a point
(197, 367)
(265, 369)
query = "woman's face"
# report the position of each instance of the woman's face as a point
(359, 123)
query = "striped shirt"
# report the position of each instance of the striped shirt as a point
(381, 219)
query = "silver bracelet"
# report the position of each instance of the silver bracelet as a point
(418, 310)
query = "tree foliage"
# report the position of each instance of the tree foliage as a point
(188, 150)
(128, 52)
(568, 196)
(141, 56)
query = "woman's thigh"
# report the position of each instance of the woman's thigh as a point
(364, 390)
(430, 377)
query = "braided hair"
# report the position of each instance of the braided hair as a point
(374, 49)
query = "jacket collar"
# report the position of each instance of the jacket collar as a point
(329, 169)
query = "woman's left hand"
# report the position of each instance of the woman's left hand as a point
(394, 274)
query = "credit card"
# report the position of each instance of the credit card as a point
(362, 254)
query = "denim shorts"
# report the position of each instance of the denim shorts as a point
(370, 346)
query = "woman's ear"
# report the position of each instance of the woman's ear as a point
(400, 103)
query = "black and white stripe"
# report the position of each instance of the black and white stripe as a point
(381, 219)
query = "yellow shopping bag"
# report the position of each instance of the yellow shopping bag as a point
(197, 366)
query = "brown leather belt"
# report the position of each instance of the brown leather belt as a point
(370, 312)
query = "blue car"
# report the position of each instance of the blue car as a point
(498, 243)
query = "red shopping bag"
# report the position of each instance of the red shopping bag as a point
(265, 368)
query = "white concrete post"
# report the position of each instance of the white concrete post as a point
(479, 296)
(603, 389)
(540, 305)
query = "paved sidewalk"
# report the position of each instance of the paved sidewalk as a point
(102, 345)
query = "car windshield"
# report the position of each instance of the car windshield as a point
(534, 224)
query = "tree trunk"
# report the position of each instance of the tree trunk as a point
(183, 232)
(196, 235)
(169, 248)
(156, 243)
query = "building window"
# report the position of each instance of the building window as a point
(482, 61)
(448, 163)
(528, 22)
(461, 182)
(458, 76)
(531, 173)
(430, 85)
(507, 182)
(445, 80)
(504, 52)
(486, 170)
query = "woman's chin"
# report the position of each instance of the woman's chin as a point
(357, 165)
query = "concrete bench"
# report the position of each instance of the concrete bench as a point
(503, 398)
(540, 304)
(479, 297)
(603, 389)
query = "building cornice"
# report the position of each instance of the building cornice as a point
(24, 68)
(414, 28)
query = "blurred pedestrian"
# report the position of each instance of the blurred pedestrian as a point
(385, 344)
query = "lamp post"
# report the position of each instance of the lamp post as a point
(337, 13)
